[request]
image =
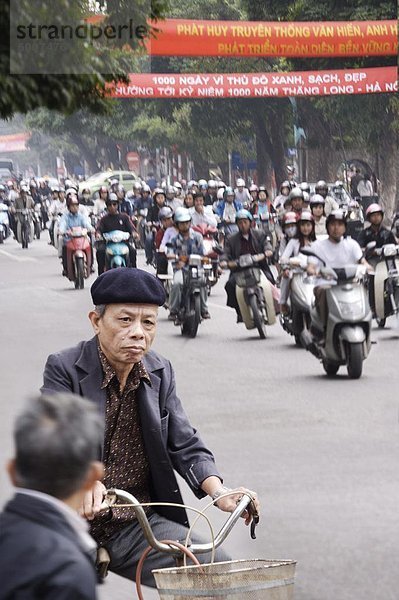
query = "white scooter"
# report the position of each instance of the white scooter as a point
(346, 338)
(301, 296)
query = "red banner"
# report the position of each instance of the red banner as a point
(14, 142)
(258, 85)
(184, 37)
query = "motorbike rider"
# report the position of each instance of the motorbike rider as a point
(73, 218)
(316, 206)
(189, 201)
(171, 200)
(279, 200)
(186, 242)
(227, 210)
(296, 199)
(44, 188)
(179, 190)
(85, 198)
(201, 216)
(192, 186)
(100, 201)
(242, 194)
(261, 208)
(152, 222)
(304, 237)
(136, 196)
(246, 241)
(113, 220)
(337, 251)
(24, 201)
(321, 188)
(165, 217)
(211, 195)
(57, 208)
(376, 232)
(126, 203)
(289, 230)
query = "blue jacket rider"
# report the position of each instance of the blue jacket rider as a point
(186, 242)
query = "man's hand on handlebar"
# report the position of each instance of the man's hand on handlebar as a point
(92, 501)
(229, 503)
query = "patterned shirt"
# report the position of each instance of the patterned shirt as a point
(125, 460)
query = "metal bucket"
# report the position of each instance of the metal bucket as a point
(253, 579)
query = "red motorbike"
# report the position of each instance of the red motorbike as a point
(212, 250)
(79, 256)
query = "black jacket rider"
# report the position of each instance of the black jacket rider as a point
(381, 236)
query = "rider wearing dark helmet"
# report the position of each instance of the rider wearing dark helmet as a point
(337, 251)
(113, 221)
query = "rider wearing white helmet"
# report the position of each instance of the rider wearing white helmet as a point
(242, 194)
(316, 206)
(376, 232)
(211, 195)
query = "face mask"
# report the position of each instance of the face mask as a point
(290, 231)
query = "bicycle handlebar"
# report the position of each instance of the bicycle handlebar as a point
(113, 495)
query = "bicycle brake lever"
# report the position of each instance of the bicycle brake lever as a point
(254, 523)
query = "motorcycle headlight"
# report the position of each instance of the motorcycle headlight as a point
(351, 309)
(194, 273)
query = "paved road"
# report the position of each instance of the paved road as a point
(323, 454)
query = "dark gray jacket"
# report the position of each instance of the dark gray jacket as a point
(169, 439)
(40, 555)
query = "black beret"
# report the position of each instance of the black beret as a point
(127, 286)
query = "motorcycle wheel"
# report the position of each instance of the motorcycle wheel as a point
(298, 341)
(1, 236)
(355, 360)
(190, 326)
(258, 318)
(381, 323)
(330, 368)
(24, 237)
(80, 274)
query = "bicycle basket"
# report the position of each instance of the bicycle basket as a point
(248, 277)
(254, 579)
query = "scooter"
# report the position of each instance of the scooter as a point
(300, 301)
(116, 249)
(25, 226)
(254, 294)
(346, 339)
(78, 250)
(189, 316)
(37, 228)
(385, 283)
(5, 229)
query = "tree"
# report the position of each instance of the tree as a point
(72, 91)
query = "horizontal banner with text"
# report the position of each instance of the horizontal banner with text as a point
(185, 37)
(258, 85)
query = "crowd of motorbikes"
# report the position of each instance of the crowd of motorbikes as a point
(345, 340)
